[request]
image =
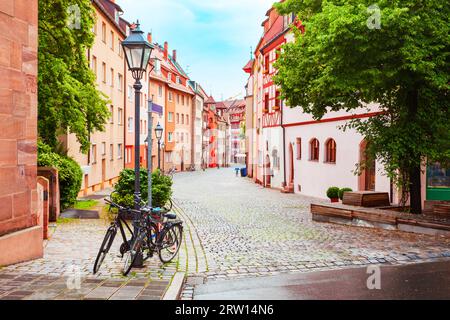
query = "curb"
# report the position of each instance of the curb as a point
(174, 290)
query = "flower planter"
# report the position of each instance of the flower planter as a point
(334, 199)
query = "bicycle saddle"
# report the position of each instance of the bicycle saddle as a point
(170, 216)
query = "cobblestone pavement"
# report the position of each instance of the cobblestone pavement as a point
(69, 255)
(244, 230)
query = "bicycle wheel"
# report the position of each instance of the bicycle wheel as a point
(130, 255)
(169, 243)
(104, 248)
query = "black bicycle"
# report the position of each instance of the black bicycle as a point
(118, 224)
(158, 231)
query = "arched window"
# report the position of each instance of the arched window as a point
(330, 151)
(314, 150)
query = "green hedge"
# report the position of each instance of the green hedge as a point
(333, 192)
(69, 172)
(124, 188)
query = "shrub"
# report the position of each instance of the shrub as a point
(124, 188)
(341, 192)
(69, 173)
(333, 192)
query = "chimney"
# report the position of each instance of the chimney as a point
(174, 55)
(166, 50)
(149, 38)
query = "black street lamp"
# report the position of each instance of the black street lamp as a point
(158, 133)
(163, 148)
(137, 52)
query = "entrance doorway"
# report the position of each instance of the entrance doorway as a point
(438, 182)
(367, 177)
(267, 173)
(103, 173)
(291, 164)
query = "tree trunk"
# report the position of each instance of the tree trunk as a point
(415, 190)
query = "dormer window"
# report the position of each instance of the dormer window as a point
(178, 79)
(169, 76)
(116, 16)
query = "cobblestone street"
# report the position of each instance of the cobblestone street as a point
(233, 229)
(248, 231)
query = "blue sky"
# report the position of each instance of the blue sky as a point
(212, 37)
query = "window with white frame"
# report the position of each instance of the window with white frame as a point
(120, 81)
(130, 93)
(93, 153)
(119, 116)
(130, 124)
(119, 151)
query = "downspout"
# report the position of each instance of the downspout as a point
(125, 113)
(89, 129)
(284, 144)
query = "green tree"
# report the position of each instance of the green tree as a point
(396, 55)
(68, 100)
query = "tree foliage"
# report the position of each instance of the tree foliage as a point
(343, 62)
(68, 98)
(124, 188)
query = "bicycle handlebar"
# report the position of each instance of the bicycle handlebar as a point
(153, 210)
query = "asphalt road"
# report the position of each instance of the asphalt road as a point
(410, 281)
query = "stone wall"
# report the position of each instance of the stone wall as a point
(18, 123)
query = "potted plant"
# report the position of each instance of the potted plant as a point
(333, 194)
(342, 191)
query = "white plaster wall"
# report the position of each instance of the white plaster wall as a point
(315, 177)
(274, 137)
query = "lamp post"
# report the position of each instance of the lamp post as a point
(137, 53)
(163, 148)
(158, 133)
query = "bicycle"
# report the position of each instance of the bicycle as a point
(171, 171)
(117, 224)
(158, 231)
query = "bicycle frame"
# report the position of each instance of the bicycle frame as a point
(119, 222)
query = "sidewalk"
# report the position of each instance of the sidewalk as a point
(65, 271)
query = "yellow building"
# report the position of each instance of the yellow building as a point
(102, 166)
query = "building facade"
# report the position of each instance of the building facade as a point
(21, 236)
(289, 150)
(105, 160)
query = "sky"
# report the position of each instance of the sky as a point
(212, 37)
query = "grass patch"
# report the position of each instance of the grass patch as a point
(65, 220)
(85, 204)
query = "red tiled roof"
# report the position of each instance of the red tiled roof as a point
(210, 100)
(248, 66)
